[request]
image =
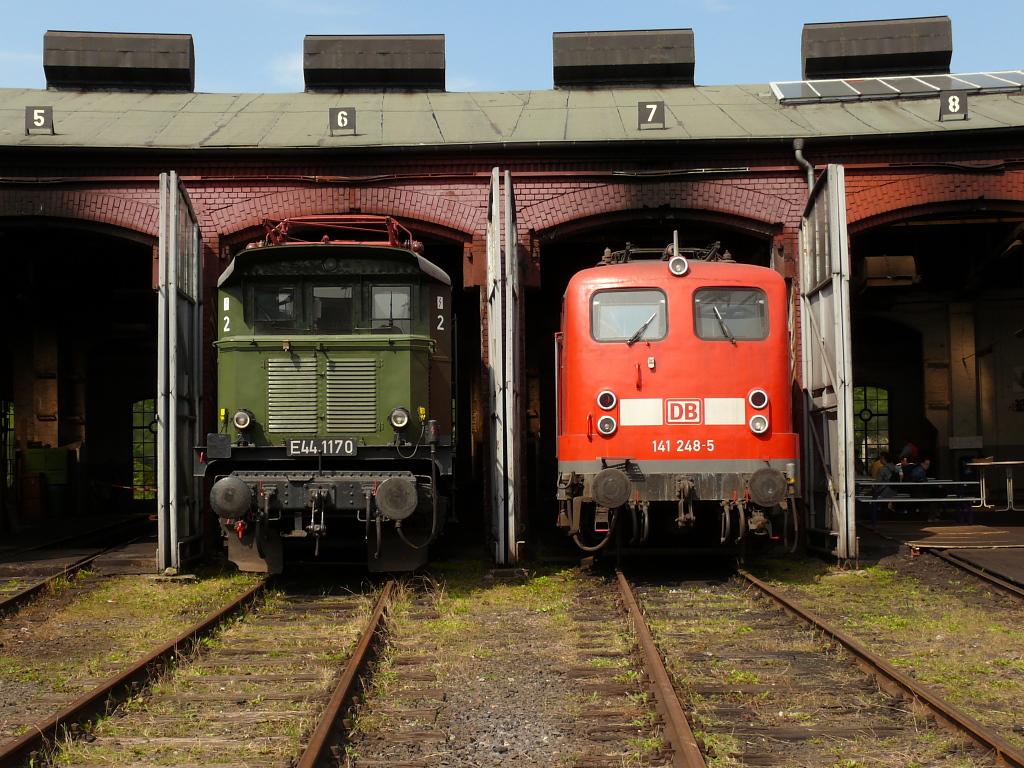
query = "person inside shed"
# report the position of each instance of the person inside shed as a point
(918, 473)
(909, 452)
(886, 473)
(881, 461)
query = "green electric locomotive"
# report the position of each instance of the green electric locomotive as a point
(334, 393)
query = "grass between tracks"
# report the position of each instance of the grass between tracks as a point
(50, 647)
(208, 711)
(499, 648)
(945, 629)
(694, 636)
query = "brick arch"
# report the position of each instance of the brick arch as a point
(119, 215)
(592, 223)
(445, 214)
(882, 202)
(716, 197)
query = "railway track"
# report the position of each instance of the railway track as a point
(762, 690)
(41, 737)
(255, 693)
(482, 683)
(1005, 586)
(489, 673)
(31, 571)
(920, 697)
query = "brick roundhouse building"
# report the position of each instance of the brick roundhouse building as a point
(887, 191)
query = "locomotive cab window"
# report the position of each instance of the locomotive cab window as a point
(334, 309)
(274, 308)
(629, 315)
(730, 314)
(391, 307)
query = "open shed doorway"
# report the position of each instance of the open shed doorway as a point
(468, 530)
(563, 252)
(937, 302)
(79, 351)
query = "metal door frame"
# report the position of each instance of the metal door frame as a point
(825, 331)
(179, 373)
(504, 354)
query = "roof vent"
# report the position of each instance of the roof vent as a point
(660, 57)
(118, 61)
(854, 49)
(333, 63)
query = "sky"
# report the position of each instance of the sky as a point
(255, 46)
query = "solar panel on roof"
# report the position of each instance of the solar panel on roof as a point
(948, 83)
(833, 88)
(796, 90)
(910, 86)
(1014, 76)
(872, 87)
(809, 91)
(985, 80)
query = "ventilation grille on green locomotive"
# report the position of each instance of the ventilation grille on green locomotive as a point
(350, 390)
(291, 396)
(352, 396)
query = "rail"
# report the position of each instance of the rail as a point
(1009, 588)
(686, 752)
(347, 686)
(13, 602)
(897, 683)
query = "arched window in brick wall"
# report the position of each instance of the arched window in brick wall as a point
(144, 449)
(871, 422)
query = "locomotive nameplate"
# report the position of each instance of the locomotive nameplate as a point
(321, 446)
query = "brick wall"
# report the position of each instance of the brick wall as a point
(447, 197)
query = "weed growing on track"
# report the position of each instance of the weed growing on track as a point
(61, 583)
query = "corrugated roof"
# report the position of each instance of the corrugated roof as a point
(300, 120)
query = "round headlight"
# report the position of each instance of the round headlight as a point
(398, 418)
(607, 425)
(757, 398)
(759, 424)
(242, 419)
(607, 400)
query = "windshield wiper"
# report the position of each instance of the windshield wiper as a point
(268, 319)
(640, 331)
(725, 328)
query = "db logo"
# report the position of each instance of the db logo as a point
(682, 411)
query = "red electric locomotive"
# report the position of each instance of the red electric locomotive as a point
(674, 400)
